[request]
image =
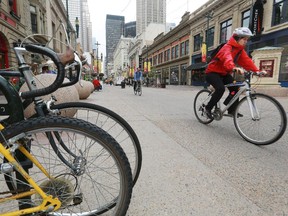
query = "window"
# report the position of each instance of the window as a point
(33, 15)
(173, 53)
(210, 37)
(168, 54)
(197, 42)
(226, 31)
(280, 12)
(246, 18)
(187, 47)
(176, 51)
(13, 8)
(182, 49)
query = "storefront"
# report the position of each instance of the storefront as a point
(174, 75)
(4, 63)
(197, 74)
(275, 39)
(183, 74)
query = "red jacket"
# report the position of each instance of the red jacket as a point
(223, 62)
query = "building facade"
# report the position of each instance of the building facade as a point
(79, 9)
(114, 31)
(130, 29)
(149, 11)
(212, 24)
(19, 19)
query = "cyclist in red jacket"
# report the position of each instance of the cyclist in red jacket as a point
(219, 70)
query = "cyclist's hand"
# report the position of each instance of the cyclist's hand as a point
(238, 70)
(262, 73)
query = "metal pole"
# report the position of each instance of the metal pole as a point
(208, 16)
(68, 28)
(97, 69)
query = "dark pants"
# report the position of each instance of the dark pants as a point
(218, 82)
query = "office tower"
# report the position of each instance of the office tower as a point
(114, 30)
(149, 11)
(130, 29)
(79, 8)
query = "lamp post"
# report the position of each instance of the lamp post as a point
(209, 16)
(97, 69)
(68, 28)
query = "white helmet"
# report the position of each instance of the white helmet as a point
(243, 32)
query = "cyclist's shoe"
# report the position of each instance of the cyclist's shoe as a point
(208, 113)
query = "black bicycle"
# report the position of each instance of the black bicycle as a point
(138, 88)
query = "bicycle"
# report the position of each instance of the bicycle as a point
(102, 117)
(263, 119)
(138, 88)
(17, 107)
(62, 166)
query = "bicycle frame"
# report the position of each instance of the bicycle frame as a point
(48, 203)
(244, 87)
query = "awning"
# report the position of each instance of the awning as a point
(197, 66)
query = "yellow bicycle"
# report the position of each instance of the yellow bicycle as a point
(84, 172)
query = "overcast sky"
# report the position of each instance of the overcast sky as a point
(127, 8)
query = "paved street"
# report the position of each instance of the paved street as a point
(195, 169)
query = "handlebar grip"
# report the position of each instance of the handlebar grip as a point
(60, 75)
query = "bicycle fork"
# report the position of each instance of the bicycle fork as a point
(252, 106)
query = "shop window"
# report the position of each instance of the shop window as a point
(280, 12)
(226, 31)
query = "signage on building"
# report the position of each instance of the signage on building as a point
(204, 52)
(257, 18)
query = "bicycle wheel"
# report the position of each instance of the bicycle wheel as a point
(140, 90)
(95, 177)
(270, 125)
(113, 124)
(200, 101)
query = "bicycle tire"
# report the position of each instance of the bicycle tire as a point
(266, 130)
(200, 101)
(113, 124)
(105, 182)
(139, 90)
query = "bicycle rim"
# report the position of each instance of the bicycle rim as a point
(105, 180)
(200, 101)
(113, 124)
(268, 128)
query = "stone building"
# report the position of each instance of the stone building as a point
(19, 19)
(212, 24)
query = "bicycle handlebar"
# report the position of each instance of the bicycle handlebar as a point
(78, 65)
(59, 59)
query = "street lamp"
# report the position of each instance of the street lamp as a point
(97, 69)
(209, 16)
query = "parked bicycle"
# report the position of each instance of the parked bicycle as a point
(260, 119)
(123, 132)
(62, 166)
(138, 88)
(108, 120)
